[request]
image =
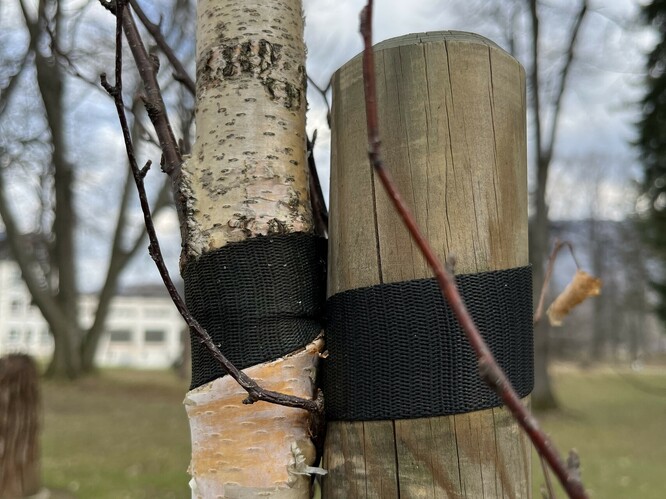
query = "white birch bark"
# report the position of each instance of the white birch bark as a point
(248, 173)
(247, 176)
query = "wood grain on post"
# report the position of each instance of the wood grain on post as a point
(452, 125)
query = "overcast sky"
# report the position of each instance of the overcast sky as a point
(594, 167)
(594, 160)
(599, 109)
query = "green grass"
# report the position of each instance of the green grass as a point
(124, 434)
(119, 435)
(618, 429)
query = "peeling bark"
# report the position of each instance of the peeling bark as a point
(248, 176)
(250, 450)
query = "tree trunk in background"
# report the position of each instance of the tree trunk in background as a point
(119, 259)
(545, 130)
(48, 265)
(542, 395)
(19, 427)
(66, 361)
(599, 325)
(248, 177)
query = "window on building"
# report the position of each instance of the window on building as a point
(14, 336)
(155, 336)
(17, 306)
(123, 312)
(120, 336)
(156, 312)
(28, 335)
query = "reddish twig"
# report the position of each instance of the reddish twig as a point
(549, 273)
(254, 391)
(491, 373)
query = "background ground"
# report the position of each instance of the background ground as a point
(120, 435)
(124, 434)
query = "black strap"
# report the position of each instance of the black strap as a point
(259, 299)
(396, 351)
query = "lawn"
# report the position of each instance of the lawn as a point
(124, 434)
(617, 422)
(120, 435)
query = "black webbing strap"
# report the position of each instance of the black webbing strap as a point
(396, 351)
(259, 299)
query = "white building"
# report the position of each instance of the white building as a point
(143, 328)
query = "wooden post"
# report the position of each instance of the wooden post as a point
(19, 427)
(452, 125)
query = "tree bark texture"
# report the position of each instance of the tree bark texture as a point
(543, 397)
(248, 172)
(248, 177)
(19, 427)
(452, 126)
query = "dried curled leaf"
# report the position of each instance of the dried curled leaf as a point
(581, 287)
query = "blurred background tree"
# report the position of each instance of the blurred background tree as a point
(59, 181)
(652, 143)
(72, 221)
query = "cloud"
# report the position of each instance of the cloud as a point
(599, 108)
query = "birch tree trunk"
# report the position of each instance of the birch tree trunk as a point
(247, 177)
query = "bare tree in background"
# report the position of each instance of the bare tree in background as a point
(42, 164)
(515, 25)
(546, 114)
(614, 326)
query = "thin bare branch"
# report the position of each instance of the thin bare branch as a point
(254, 391)
(562, 83)
(324, 95)
(319, 210)
(153, 97)
(549, 491)
(180, 73)
(549, 273)
(317, 196)
(491, 373)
